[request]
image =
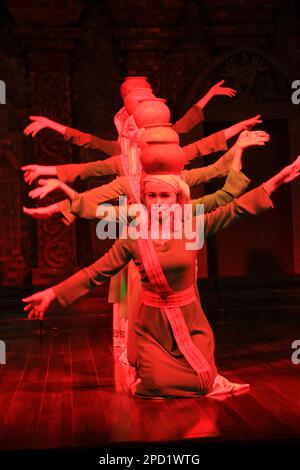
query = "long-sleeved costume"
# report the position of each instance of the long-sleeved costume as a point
(113, 165)
(121, 187)
(161, 366)
(85, 205)
(113, 147)
(117, 165)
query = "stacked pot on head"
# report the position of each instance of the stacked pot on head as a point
(159, 143)
(131, 83)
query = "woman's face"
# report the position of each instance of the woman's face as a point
(162, 196)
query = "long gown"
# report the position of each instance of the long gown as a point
(161, 368)
(115, 166)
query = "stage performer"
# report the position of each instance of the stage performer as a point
(69, 209)
(128, 164)
(125, 305)
(113, 165)
(113, 147)
(175, 343)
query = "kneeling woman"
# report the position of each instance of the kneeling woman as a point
(175, 344)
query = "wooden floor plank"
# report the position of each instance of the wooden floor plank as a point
(54, 427)
(22, 415)
(68, 388)
(89, 426)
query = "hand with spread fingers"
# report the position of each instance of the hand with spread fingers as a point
(31, 172)
(37, 304)
(41, 122)
(286, 175)
(219, 89)
(46, 186)
(250, 138)
(251, 122)
(290, 172)
(41, 212)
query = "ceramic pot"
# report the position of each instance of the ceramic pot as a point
(157, 133)
(130, 83)
(150, 111)
(162, 158)
(133, 98)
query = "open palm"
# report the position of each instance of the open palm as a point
(218, 89)
(38, 304)
(46, 187)
(39, 123)
(38, 213)
(31, 172)
(250, 138)
(290, 172)
(249, 123)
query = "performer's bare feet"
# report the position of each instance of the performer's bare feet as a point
(222, 388)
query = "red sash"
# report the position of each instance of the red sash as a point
(172, 309)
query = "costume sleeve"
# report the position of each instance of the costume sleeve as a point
(104, 268)
(83, 205)
(251, 203)
(73, 171)
(189, 120)
(235, 185)
(213, 143)
(91, 142)
(207, 173)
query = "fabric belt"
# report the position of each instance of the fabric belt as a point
(174, 299)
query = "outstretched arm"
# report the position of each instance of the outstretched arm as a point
(41, 122)
(247, 124)
(236, 182)
(195, 115)
(213, 143)
(210, 172)
(81, 282)
(82, 171)
(47, 186)
(86, 141)
(77, 206)
(221, 167)
(92, 142)
(235, 185)
(73, 171)
(251, 203)
(218, 141)
(31, 172)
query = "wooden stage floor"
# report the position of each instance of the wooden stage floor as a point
(66, 389)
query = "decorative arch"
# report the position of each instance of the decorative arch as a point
(256, 75)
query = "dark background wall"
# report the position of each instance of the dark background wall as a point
(66, 60)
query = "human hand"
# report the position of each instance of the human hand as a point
(251, 122)
(31, 172)
(46, 187)
(250, 138)
(286, 175)
(37, 304)
(290, 172)
(218, 89)
(39, 123)
(41, 212)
